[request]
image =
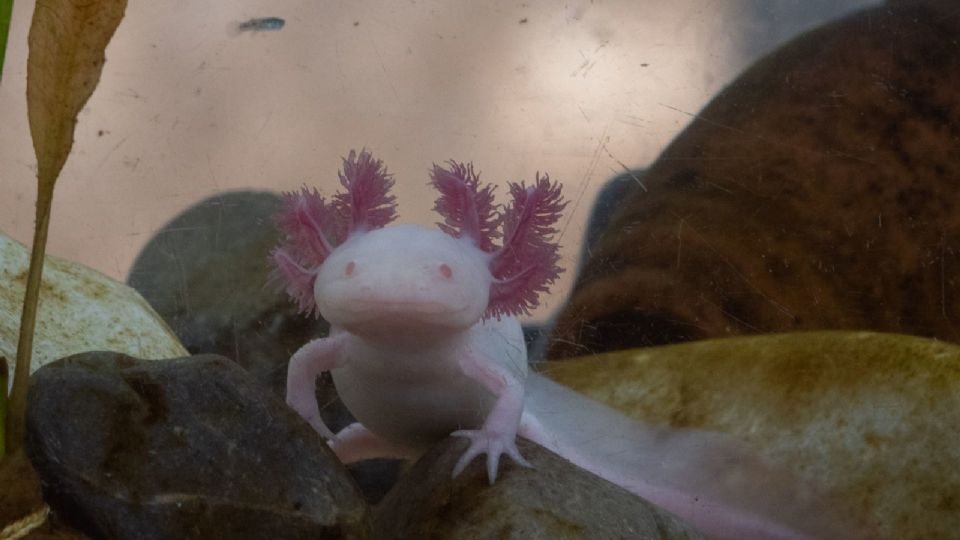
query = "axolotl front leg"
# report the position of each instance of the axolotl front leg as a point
(305, 366)
(355, 442)
(352, 443)
(499, 432)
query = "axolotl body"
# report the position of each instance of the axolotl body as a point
(425, 343)
(410, 356)
(423, 340)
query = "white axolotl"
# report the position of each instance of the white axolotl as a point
(424, 343)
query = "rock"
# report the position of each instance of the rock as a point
(51, 529)
(23, 513)
(553, 501)
(871, 417)
(183, 448)
(818, 191)
(21, 501)
(80, 310)
(605, 206)
(206, 274)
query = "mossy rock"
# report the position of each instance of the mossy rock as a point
(871, 417)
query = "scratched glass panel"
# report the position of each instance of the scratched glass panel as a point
(190, 105)
(713, 191)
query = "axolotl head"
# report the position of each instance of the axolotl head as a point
(339, 258)
(403, 278)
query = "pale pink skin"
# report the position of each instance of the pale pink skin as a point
(424, 344)
(413, 360)
(423, 341)
(408, 351)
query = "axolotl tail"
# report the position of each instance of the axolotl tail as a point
(709, 479)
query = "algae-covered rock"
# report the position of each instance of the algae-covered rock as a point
(871, 417)
(80, 310)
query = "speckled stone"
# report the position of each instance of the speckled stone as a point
(80, 310)
(818, 191)
(556, 500)
(872, 417)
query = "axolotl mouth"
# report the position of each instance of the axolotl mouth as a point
(414, 315)
(358, 311)
(377, 308)
(403, 322)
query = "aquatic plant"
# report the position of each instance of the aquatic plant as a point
(66, 54)
(6, 9)
(3, 402)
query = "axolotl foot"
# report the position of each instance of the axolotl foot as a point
(491, 443)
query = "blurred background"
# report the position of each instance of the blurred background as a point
(187, 107)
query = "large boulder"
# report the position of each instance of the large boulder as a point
(818, 191)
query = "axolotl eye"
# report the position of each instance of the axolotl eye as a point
(349, 268)
(446, 271)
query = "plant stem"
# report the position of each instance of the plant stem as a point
(16, 413)
(3, 403)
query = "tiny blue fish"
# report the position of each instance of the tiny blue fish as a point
(262, 24)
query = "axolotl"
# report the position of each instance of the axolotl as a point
(425, 343)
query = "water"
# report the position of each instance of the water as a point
(185, 111)
(715, 192)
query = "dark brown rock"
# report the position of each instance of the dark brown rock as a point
(556, 500)
(818, 191)
(184, 448)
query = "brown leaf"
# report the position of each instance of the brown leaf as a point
(67, 40)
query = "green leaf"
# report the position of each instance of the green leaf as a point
(6, 8)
